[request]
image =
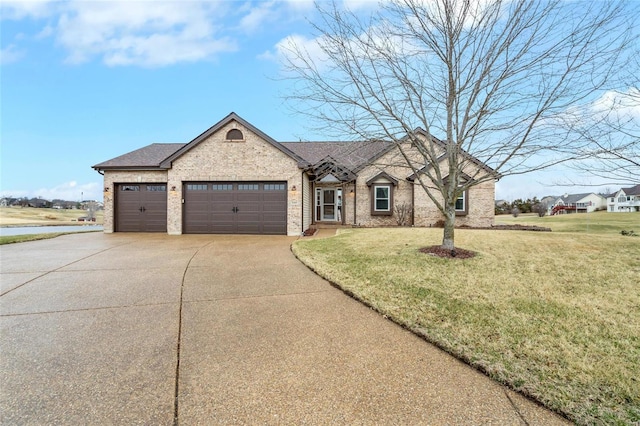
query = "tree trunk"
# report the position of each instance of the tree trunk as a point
(449, 227)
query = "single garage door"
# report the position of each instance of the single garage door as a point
(141, 207)
(235, 208)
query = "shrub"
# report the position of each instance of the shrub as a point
(403, 213)
(540, 209)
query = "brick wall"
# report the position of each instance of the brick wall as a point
(252, 159)
(481, 198)
(116, 177)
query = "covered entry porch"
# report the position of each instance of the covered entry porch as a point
(330, 185)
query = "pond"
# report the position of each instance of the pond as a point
(24, 230)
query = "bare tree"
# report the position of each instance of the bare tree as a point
(491, 78)
(613, 152)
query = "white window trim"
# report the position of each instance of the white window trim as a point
(375, 198)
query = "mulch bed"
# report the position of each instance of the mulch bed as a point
(456, 253)
(519, 228)
(309, 232)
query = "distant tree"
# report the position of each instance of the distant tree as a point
(540, 209)
(515, 212)
(490, 78)
(503, 208)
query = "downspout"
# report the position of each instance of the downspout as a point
(355, 198)
(302, 202)
(343, 206)
(413, 203)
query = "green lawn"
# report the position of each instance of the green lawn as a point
(555, 315)
(588, 223)
(10, 239)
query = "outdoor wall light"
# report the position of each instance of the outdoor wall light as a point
(293, 188)
(173, 189)
(106, 189)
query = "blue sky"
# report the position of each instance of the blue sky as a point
(85, 81)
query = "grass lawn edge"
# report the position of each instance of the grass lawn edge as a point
(426, 337)
(15, 239)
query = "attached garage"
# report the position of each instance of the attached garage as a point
(235, 208)
(141, 207)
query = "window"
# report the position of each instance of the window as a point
(130, 188)
(383, 194)
(274, 187)
(235, 135)
(222, 187)
(462, 204)
(248, 187)
(157, 188)
(196, 187)
(382, 186)
(381, 200)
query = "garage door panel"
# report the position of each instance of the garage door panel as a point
(141, 207)
(236, 207)
(272, 208)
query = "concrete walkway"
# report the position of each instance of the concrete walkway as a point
(109, 329)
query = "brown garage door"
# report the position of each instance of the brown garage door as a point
(141, 207)
(235, 208)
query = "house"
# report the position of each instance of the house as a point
(233, 178)
(578, 203)
(624, 200)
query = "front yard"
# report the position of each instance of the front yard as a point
(553, 315)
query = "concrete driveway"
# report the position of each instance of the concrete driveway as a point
(157, 329)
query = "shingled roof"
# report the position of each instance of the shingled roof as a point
(634, 190)
(574, 198)
(352, 155)
(150, 156)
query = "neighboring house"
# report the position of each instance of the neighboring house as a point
(233, 178)
(578, 203)
(625, 200)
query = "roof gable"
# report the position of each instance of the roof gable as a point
(634, 190)
(382, 176)
(328, 168)
(219, 125)
(464, 153)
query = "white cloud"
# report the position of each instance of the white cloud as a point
(258, 16)
(150, 33)
(68, 191)
(285, 50)
(36, 9)
(300, 5)
(624, 105)
(10, 54)
(356, 5)
(142, 33)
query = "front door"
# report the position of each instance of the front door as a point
(328, 204)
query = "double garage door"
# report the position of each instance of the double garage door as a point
(209, 208)
(235, 208)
